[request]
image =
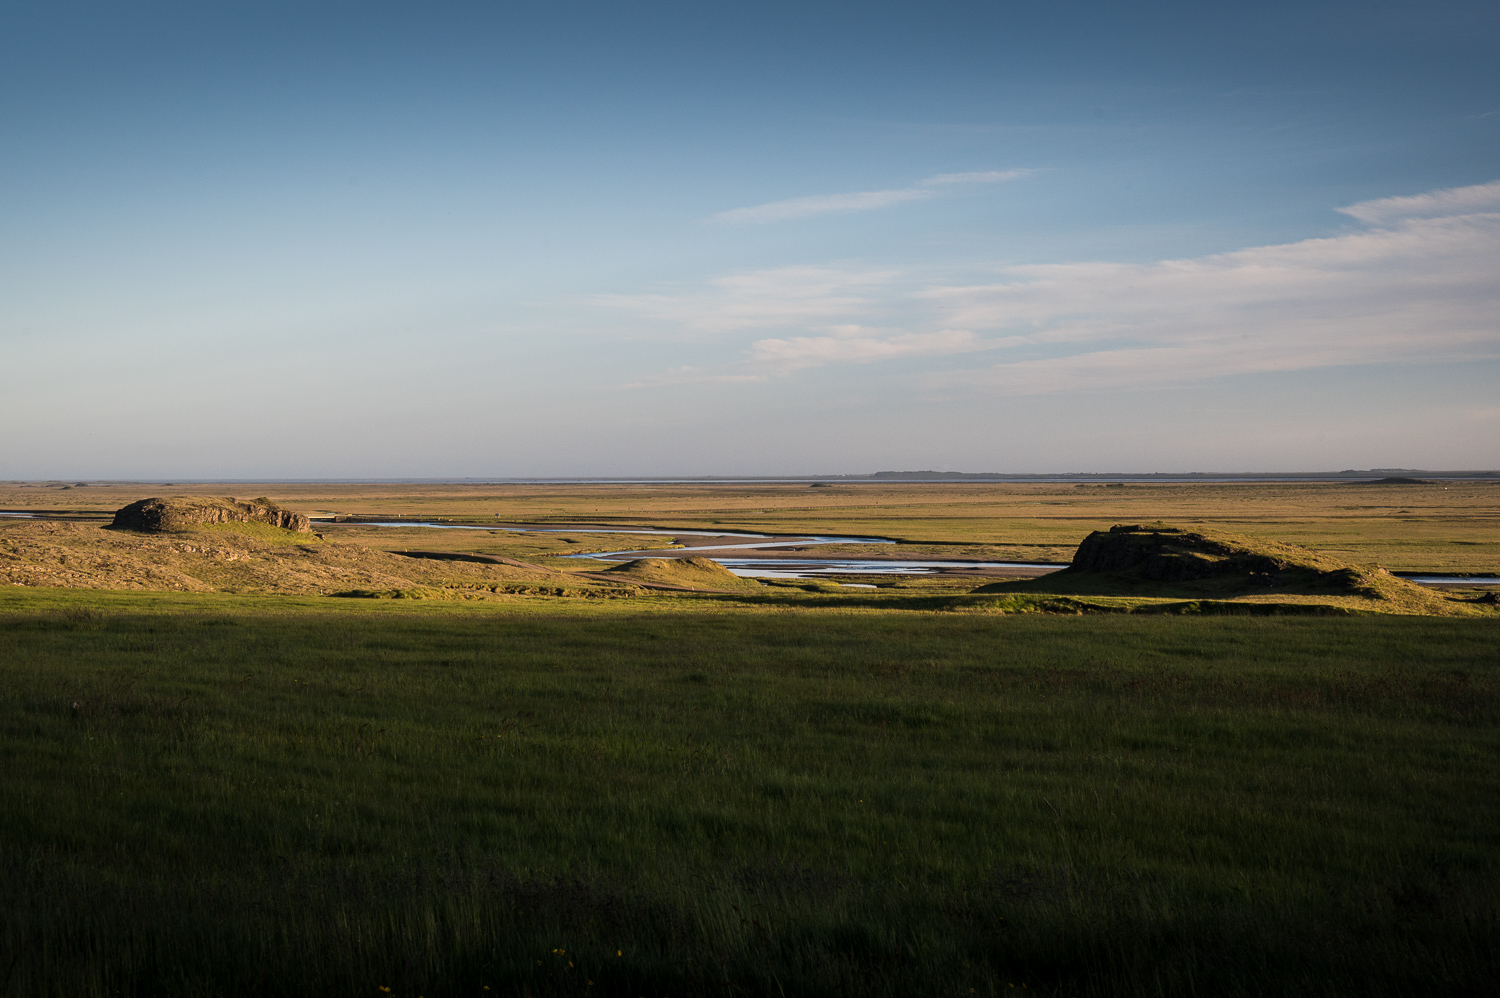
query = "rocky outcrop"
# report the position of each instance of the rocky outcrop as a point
(1169, 554)
(1207, 567)
(160, 515)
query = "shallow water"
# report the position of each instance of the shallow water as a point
(1454, 580)
(804, 568)
(800, 540)
(748, 568)
(801, 568)
(534, 530)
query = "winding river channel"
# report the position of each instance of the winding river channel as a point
(810, 567)
(764, 566)
(756, 566)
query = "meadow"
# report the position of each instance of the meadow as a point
(798, 791)
(213, 794)
(1447, 527)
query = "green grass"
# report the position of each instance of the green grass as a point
(260, 531)
(207, 794)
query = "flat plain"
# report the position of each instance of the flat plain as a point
(1452, 526)
(798, 793)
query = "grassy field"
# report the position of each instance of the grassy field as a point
(1454, 527)
(214, 794)
(793, 790)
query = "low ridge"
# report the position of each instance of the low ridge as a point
(258, 560)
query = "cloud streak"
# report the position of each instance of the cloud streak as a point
(826, 204)
(783, 297)
(1419, 286)
(858, 345)
(1451, 201)
(1423, 291)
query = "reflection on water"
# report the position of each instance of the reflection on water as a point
(806, 568)
(749, 568)
(801, 540)
(1455, 580)
(526, 530)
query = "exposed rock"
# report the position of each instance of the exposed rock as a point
(1157, 560)
(1169, 554)
(159, 515)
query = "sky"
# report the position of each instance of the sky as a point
(463, 239)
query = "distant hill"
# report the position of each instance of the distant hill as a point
(1392, 476)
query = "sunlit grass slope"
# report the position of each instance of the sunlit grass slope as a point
(242, 796)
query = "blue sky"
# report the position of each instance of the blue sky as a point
(479, 239)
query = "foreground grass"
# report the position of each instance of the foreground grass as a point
(219, 795)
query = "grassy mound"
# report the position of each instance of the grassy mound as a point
(690, 573)
(1164, 562)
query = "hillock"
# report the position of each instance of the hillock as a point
(1159, 561)
(687, 573)
(159, 515)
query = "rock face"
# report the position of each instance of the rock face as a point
(1158, 561)
(159, 515)
(1169, 554)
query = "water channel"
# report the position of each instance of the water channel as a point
(801, 567)
(751, 568)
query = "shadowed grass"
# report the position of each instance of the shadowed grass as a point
(251, 796)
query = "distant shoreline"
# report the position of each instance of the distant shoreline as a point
(1378, 475)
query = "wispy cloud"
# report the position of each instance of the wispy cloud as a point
(783, 297)
(824, 204)
(1450, 201)
(1423, 291)
(983, 177)
(859, 345)
(1419, 286)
